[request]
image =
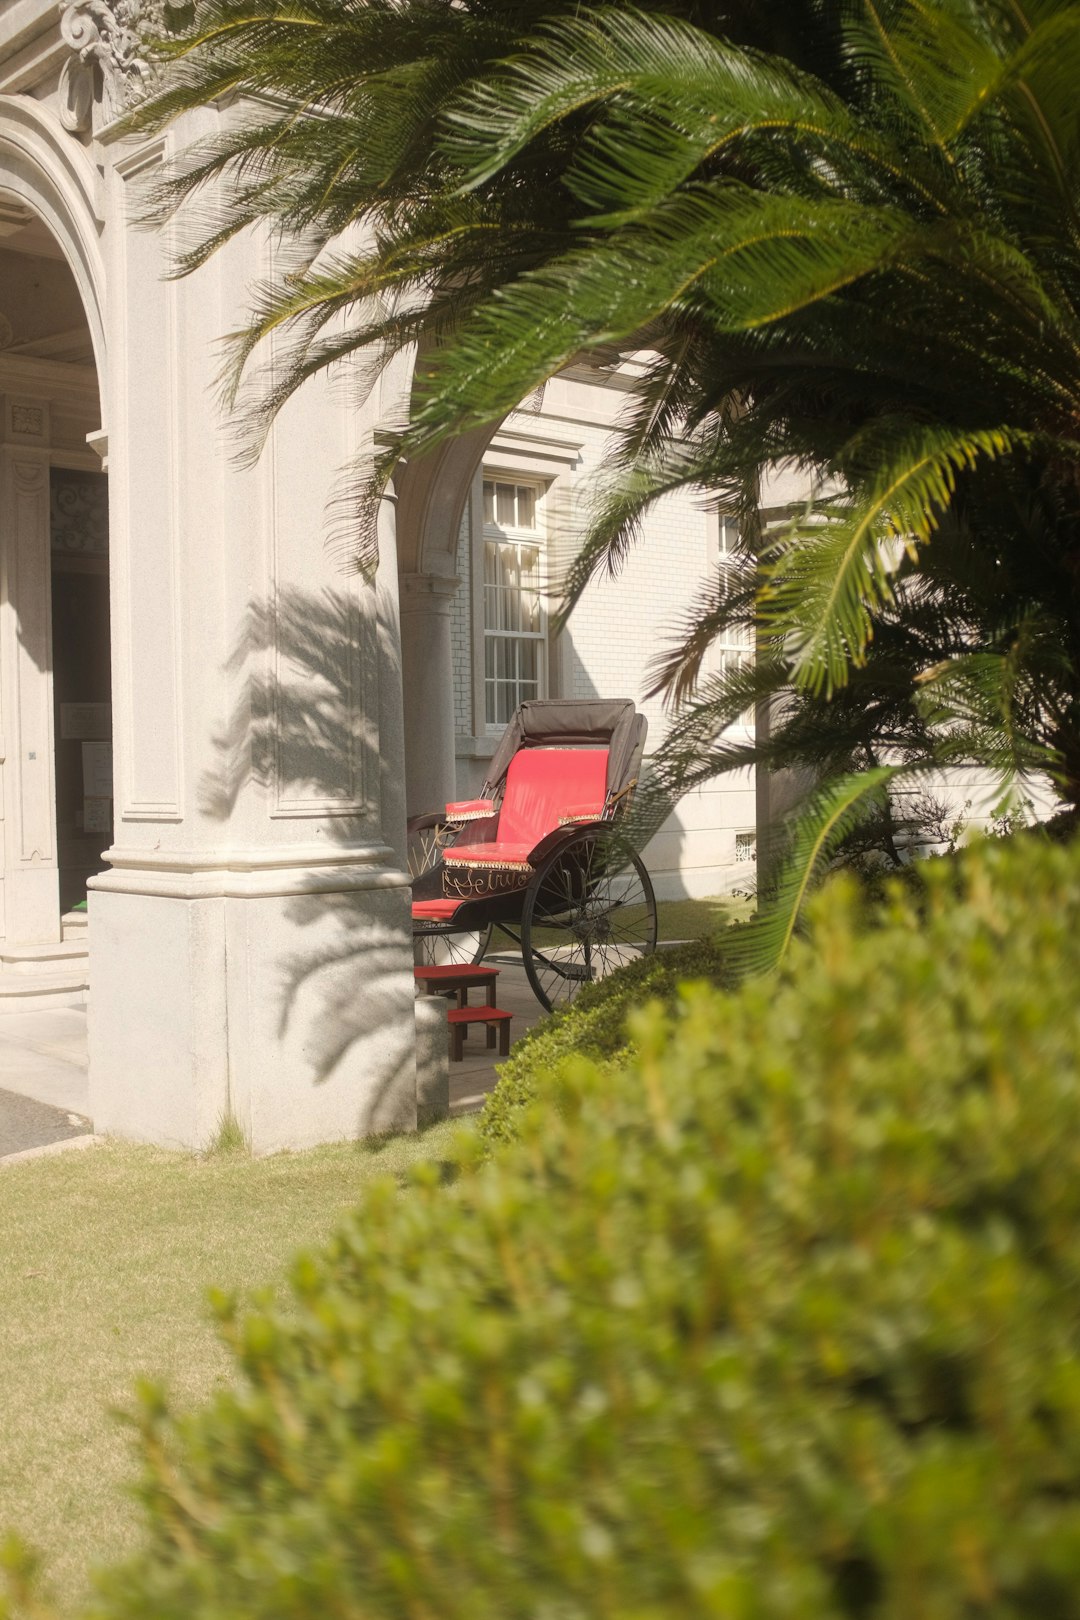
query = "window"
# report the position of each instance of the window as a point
(513, 615)
(736, 642)
(729, 541)
(745, 847)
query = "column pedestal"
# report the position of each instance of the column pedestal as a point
(278, 996)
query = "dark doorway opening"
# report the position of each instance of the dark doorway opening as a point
(82, 690)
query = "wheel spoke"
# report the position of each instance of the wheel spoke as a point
(587, 913)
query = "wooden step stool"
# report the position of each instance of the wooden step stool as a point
(459, 1020)
(454, 980)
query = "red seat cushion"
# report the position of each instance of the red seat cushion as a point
(469, 809)
(435, 910)
(498, 854)
(543, 785)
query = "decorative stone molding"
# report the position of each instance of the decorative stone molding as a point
(24, 422)
(28, 421)
(428, 593)
(108, 62)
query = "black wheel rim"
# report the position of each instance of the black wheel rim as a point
(589, 910)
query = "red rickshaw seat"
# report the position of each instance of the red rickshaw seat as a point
(545, 789)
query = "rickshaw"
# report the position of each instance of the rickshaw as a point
(538, 854)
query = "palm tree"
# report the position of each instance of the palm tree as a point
(846, 234)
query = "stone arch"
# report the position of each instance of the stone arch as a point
(42, 167)
(431, 496)
(48, 178)
(431, 493)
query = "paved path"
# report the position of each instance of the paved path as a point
(474, 1076)
(44, 1094)
(43, 1056)
(25, 1123)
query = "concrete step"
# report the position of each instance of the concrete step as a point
(35, 958)
(73, 925)
(38, 992)
(35, 978)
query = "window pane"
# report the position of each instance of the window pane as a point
(526, 507)
(512, 605)
(504, 505)
(528, 660)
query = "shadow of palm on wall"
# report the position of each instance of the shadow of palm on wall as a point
(301, 745)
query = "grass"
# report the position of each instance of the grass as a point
(700, 919)
(675, 920)
(105, 1260)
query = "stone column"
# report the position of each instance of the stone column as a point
(391, 698)
(251, 957)
(30, 897)
(428, 681)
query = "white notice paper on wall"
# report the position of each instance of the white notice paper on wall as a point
(97, 770)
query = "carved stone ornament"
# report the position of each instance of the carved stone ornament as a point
(28, 420)
(108, 63)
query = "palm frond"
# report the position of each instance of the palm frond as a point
(761, 945)
(828, 573)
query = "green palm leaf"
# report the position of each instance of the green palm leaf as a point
(828, 574)
(834, 809)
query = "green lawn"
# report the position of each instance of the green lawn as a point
(699, 919)
(675, 920)
(106, 1257)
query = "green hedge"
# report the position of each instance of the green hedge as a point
(783, 1320)
(594, 1026)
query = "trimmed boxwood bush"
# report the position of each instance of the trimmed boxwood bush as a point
(780, 1320)
(595, 1026)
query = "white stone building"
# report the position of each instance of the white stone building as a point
(193, 682)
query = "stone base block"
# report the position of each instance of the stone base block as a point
(432, 1061)
(291, 1014)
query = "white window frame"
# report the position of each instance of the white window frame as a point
(745, 846)
(734, 647)
(516, 536)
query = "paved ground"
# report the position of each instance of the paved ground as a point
(474, 1076)
(43, 1056)
(44, 1095)
(43, 1089)
(25, 1123)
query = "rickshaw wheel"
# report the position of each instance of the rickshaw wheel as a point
(589, 909)
(464, 949)
(439, 948)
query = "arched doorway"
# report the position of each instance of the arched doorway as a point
(54, 602)
(54, 564)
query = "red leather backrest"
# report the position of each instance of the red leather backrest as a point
(544, 784)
